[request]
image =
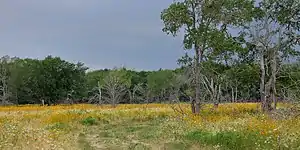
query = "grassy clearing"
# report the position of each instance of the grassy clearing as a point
(153, 126)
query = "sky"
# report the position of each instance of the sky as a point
(99, 33)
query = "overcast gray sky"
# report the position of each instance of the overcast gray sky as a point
(99, 33)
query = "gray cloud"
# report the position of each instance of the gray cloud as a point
(100, 33)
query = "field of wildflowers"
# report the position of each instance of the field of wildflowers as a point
(151, 126)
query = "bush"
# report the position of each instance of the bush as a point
(89, 121)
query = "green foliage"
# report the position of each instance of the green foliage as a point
(245, 77)
(176, 16)
(122, 75)
(51, 79)
(200, 22)
(231, 140)
(160, 80)
(60, 78)
(89, 121)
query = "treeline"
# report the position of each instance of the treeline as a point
(55, 81)
(31, 81)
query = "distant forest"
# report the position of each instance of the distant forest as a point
(56, 81)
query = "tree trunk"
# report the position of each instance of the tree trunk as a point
(113, 98)
(273, 78)
(219, 94)
(232, 95)
(216, 105)
(262, 81)
(192, 101)
(197, 79)
(114, 103)
(197, 99)
(274, 98)
(267, 105)
(99, 90)
(236, 94)
(270, 86)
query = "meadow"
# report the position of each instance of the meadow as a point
(146, 126)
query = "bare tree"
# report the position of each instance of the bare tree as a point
(139, 94)
(264, 34)
(97, 97)
(213, 88)
(114, 90)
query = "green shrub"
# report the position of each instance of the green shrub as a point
(89, 121)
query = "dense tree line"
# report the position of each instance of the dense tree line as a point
(54, 81)
(27, 81)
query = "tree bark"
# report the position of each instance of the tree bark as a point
(273, 78)
(267, 105)
(192, 101)
(99, 90)
(262, 81)
(274, 98)
(232, 95)
(270, 86)
(236, 94)
(197, 79)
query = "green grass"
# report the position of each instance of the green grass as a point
(137, 135)
(169, 135)
(231, 140)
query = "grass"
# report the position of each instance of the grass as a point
(141, 127)
(231, 140)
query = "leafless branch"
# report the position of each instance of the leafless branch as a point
(114, 89)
